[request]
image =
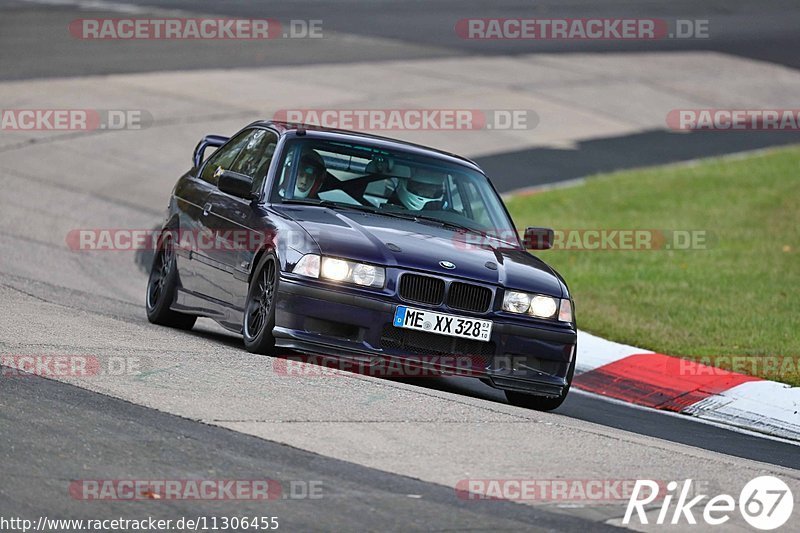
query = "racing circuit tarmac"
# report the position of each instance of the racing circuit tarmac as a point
(388, 453)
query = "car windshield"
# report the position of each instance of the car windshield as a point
(360, 176)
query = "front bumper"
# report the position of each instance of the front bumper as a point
(532, 358)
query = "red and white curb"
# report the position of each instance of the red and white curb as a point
(670, 383)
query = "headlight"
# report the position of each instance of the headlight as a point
(365, 274)
(516, 302)
(543, 306)
(335, 269)
(537, 305)
(341, 270)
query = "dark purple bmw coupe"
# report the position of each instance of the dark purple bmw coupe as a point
(349, 245)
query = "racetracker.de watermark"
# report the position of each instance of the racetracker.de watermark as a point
(734, 120)
(195, 489)
(548, 490)
(412, 119)
(780, 367)
(129, 239)
(593, 239)
(127, 29)
(73, 119)
(406, 366)
(56, 366)
(581, 29)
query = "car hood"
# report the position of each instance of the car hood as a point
(396, 242)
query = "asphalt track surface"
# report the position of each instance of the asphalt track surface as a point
(53, 432)
(96, 429)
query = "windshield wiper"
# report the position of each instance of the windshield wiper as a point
(309, 201)
(453, 225)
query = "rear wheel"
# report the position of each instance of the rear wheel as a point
(259, 313)
(541, 403)
(161, 288)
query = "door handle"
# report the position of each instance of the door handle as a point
(206, 209)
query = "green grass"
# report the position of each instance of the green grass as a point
(738, 297)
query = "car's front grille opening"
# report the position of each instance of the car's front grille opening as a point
(412, 342)
(431, 291)
(421, 289)
(467, 297)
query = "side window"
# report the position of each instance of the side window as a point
(255, 156)
(224, 157)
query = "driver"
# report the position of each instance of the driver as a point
(310, 174)
(419, 191)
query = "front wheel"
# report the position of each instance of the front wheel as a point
(259, 312)
(161, 286)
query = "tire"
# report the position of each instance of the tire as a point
(161, 288)
(541, 403)
(259, 310)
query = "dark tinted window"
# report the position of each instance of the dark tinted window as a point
(255, 156)
(224, 157)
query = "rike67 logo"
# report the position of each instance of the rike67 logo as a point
(765, 503)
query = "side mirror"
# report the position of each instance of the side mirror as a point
(214, 141)
(538, 238)
(236, 184)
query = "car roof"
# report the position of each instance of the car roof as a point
(376, 140)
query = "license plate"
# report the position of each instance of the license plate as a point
(441, 324)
